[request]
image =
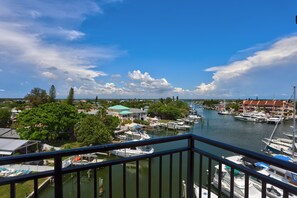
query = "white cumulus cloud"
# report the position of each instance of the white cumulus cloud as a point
(29, 31)
(280, 57)
(143, 82)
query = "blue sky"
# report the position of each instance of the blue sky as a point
(149, 48)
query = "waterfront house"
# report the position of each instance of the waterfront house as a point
(138, 114)
(127, 113)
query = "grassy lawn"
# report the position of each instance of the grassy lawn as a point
(22, 189)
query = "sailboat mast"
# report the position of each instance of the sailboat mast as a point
(272, 134)
(294, 122)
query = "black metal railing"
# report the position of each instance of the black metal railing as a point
(189, 157)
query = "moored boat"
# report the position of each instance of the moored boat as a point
(275, 119)
(252, 117)
(133, 151)
(239, 180)
(283, 145)
(255, 186)
(224, 112)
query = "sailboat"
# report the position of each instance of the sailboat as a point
(283, 145)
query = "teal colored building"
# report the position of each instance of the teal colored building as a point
(126, 112)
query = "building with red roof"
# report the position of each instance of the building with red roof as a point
(273, 107)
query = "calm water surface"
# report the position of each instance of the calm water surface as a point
(223, 128)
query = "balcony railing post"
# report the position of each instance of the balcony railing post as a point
(190, 169)
(58, 177)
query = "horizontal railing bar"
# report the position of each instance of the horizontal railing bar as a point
(101, 148)
(263, 158)
(91, 149)
(21, 178)
(122, 160)
(250, 172)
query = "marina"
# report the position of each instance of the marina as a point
(148, 99)
(223, 128)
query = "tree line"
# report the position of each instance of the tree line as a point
(38, 96)
(50, 120)
(168, 109)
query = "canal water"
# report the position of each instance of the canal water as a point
(223, 128)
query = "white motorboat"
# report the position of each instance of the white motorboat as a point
(255, 187)
(239, 180)
(259, 117)
(178, 126)
(277, 173)
(275, 119)
(245, 117)
(224, 112)
(252, 117)
(133, 151)
(138, 135)
(194, 117)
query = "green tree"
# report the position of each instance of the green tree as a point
(70, 97)
(84, 105)
(111, 122)
(210, 103)
(102, 113)
(169, 109)
(52, 94)
(168, 100)
(91, 130)
(47, 122)
(5, 120)
(37, 97)
(234, 106)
